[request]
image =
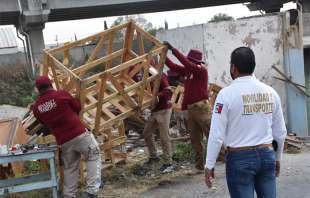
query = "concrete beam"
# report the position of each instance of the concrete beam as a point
(81, 9)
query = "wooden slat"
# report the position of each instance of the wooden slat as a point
(110, 50)
(87, 39)
(92, 64)
(100, 102)
(128, 41)
(119, 88)
(147, 36)
(52, 66)
(108, 113)
(140, 43)
(97, 49)
(63, 68)
(157, 81)
(123, 66)
(66, 57)
(146, 67)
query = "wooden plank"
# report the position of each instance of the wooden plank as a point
(63, 68)
(45, 63)
(118, 106)
(128, 41)
(119, 88)
(137, 68)
(146, 67)
(100, 102)
(114, 142)
(66, 56)
(98, 47)
(148, 36)
(127, 89)
(157, 81)
(110, 49)
(135, 61)
(123, 66)
(108, 113)
(140, 43)
(55, 78)
(92, 64)
(87, 39)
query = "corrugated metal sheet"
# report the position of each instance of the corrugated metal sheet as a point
(7, 38)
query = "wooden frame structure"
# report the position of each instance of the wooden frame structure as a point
(104, 82)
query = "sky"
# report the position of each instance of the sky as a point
(67, 30)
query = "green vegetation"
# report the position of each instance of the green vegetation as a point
(183, 151)
(220, 17)
(16, 88)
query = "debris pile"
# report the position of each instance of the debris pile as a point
(292, 144)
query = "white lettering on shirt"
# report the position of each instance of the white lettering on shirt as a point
(257, 103)
(47, 106)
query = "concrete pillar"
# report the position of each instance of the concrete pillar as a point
(34, 14)
(36, 43)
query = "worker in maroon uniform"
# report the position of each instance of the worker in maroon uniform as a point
(160, 119)
(58, 110)
(195, 99)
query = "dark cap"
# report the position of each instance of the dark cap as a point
(195, 56)
(43, 80)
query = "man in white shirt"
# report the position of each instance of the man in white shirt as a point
(247, 117)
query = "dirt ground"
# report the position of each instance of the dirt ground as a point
(293, 182)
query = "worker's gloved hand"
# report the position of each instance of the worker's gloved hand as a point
(170, 47)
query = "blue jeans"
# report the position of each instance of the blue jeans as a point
(251, 170)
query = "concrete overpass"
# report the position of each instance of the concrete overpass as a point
(29, 16)
(59, 10)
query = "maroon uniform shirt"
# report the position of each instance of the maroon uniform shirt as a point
(164, 95)
(195, 78)
(58, 110)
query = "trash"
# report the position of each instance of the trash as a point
(169, 169)
(141, 151)
(4, 150)
(292, 143)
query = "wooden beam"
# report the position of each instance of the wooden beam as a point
(122, 92)
(123, 66)
(97, 49)
(140, 43)
(128, 41)
(135, 61)
(92, 64)
(45, 63)
(87, 39)
(52, 66)
(156, 85)
(110, 50)
(148, 36)
(66, 56)
(59, 65)
(146, 67)
(100, 102)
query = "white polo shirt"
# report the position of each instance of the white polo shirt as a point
(246, 113)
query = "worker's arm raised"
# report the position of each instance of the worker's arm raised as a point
(189, 65)
(175, 67)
